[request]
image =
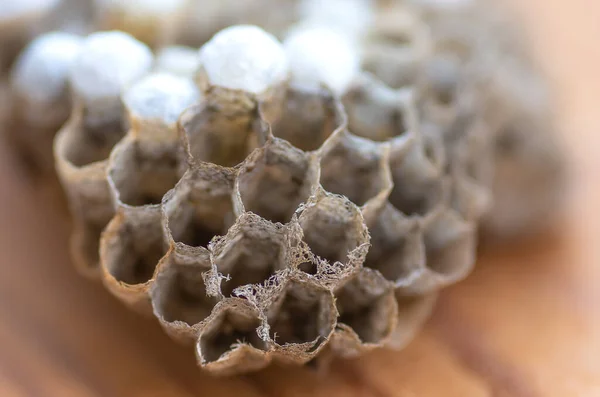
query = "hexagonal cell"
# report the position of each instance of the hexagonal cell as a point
(141, 174)
(457, 129)
(392, 60)
(179, 293)
(231, 338)
(86, 143)
(89, 199)
(200, 206)
(470, 198)
(469, 164)
(450, 36)
(396, 46)
(132, 245)
(417, 175)
(374, 110)
(334, 228)
(81, 153)
(440, 79)
(397, 250)
(223, 128)
(367, 304)
(303, 314)
(468, 146)
(275, 179)
(252, 251)
(308, 118)
(355, 167)
(450, 245)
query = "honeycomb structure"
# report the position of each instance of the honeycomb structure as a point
(272, 222)
(287, 218)
(293, 216)
(452, 48)
(478, 82)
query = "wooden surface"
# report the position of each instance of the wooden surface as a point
(526, 324)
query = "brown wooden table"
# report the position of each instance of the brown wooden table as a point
(527, 323)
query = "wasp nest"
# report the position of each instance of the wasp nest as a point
(447, 52)
(242, 209)
(273, 201)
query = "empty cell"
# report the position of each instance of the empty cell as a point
(132, 245)
(179, 292)
(367, 304)
(392, 58)
(333, 227)
(418, 181)
(304, 313)
(275, 179)
(440, 79)
(251, 252)
(470, 198)
(86, 144)
(375, 111)
(397, 250)
(396, 47)
(450, 246)
(470, 152)
(142, 174)
(308, 118)
(223, 128)
(355, 168)
(232, 326)
(200, 206)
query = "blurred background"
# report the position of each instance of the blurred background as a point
(526, 323)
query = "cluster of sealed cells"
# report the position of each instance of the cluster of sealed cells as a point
(285, 226)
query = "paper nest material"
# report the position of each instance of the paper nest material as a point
(260, 228)
(294, 223)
